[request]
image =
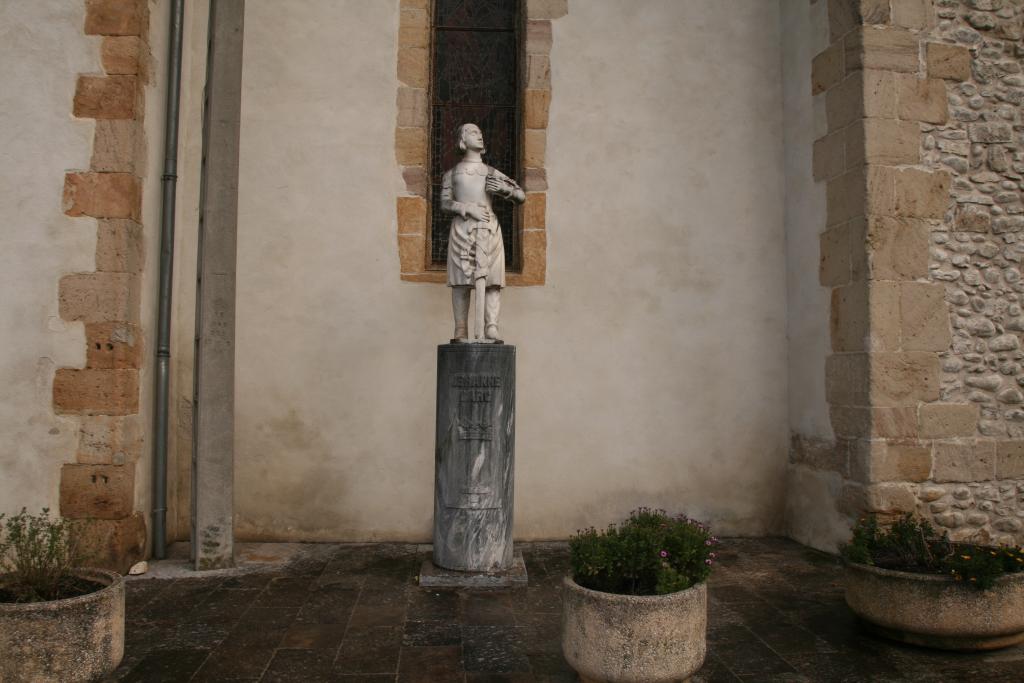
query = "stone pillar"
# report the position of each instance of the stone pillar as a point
(887, 321)
(213, 477)
(474, 457)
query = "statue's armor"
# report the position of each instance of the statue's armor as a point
(475, 248)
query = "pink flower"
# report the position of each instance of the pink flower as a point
(707, 562)
(707, 542)
(663, 553)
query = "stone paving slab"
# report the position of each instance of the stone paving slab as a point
(353, 613)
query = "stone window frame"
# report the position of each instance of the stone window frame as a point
(412, 139)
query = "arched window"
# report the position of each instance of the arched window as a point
(475, 66)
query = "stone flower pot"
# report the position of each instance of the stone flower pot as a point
(74, 639)
(936, 611)
(611, 638)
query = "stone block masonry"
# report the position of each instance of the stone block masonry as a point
(99, 489)
(106, 97)
(94, 391)
(975, 50)
(922, 249)
(977, 256)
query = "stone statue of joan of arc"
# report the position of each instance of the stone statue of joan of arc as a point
(476, 255)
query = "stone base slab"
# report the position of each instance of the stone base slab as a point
(432, 576)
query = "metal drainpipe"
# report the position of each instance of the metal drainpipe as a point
(163, 344)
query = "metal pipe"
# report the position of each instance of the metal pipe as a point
(163, 343)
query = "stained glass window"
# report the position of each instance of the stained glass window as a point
(475, 79)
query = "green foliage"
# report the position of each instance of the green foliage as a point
(864, 541)
(648, 554)
(980, 566)
(912, 545)
(907, 544)
(37, 554)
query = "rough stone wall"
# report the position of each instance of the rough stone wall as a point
(924, 215)
(99, 487)
(975, 48)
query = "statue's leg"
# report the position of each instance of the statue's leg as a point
(493, 306)
(478, 319)
(460, 307)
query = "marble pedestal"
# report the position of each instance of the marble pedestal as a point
(432, 576)
(475, 439)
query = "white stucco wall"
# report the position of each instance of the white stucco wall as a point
(660, 338)
(804, 34)
(811, 515)
(190, 149)
(652, 366)
(42, 49)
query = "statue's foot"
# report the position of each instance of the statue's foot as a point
(491, 332)
(461, 334)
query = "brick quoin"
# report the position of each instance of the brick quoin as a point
(99, 490)
(96, 391)
(115, 17)
(105, 97)
(102, 195)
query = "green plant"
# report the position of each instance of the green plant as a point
(913, 545)
(980, 566)
(37, 554)
(650, 553)
(906, 544)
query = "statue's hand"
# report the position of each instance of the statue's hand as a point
(478, 213)
(495, 186)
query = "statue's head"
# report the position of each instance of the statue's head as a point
(470, 137)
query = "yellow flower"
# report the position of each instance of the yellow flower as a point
(965, 557)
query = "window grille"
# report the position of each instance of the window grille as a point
(475, 79)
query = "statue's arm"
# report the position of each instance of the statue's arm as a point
(503, 186)
(449, 205)
(516, 194)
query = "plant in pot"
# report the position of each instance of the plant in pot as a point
(635, 605)
(909, 583)
(58, 621)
